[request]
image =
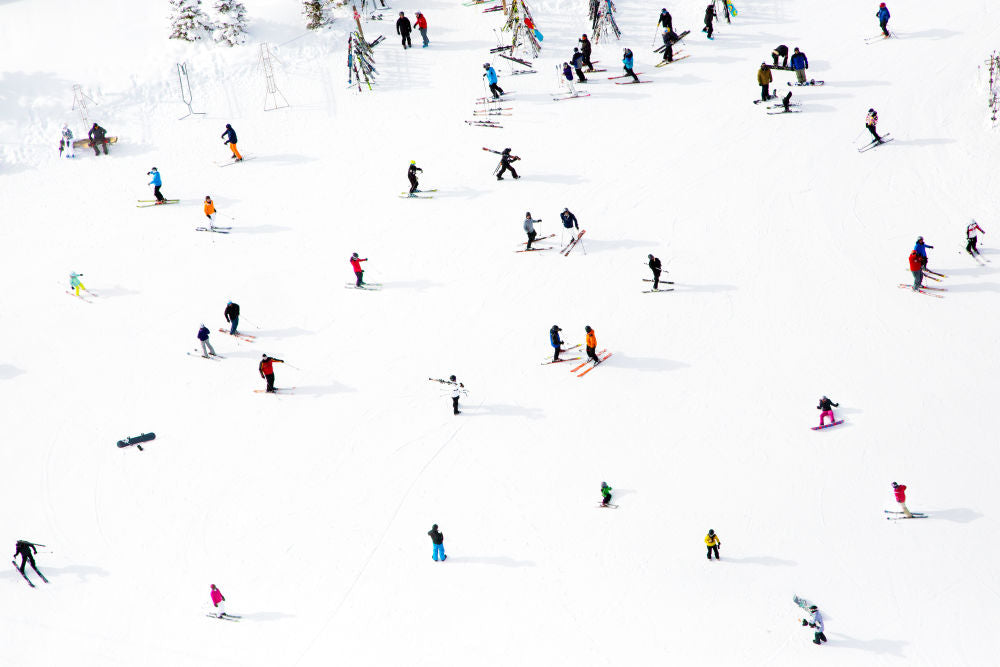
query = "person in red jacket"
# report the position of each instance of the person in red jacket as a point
(917, 269)
(266, 369)
(356, 265)
(422, 27)
(900, 491)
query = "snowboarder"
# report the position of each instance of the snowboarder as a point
(210, 211)
(605, 494)
(669, 39)
(27, 551)
(871, 120)
(266, 369)
(816, 622)
(577, 61)
(411, 175)
(627, 62)
(529, 228)
(230, 138)
(437, 539)
(556, 342)
(710, 16)
(422, 27)
(827, 406)
(491, 78)
(75, 284)
(665, 19)
(972, 237)
(157, 182)
(883, 18)
(586, 49)
(456, 391)
(206, 345)
(218, 601)
(899, 490)
(403, 28)
(656, 267)
(232, 313)
(96, 135)
(505, 164)
(780, 51)
(568, 220)
(358, 272)
(800, 64)
(764, 79)
(921, 249)
(713, 543)
(592, 345)
(567, 73)
(67, 142)
(917, 269)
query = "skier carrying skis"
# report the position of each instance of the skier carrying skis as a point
(764, 78)
(411, 175)
(665, 19)
(921, 249)
(800, 64)
(710, 16)
(972, 237)
(232, 313)
(655, 266)
(218, 601)
(67, 142)
(816, 622)
(917, 269)
(555, 341)
(206, 345)
(529, 228)
(157, 182)
(96, 135)
(403, 28)
(577, 61)
(827, 406)
(605, 494)
(456, 391)
(422, 27)
(437, 539)
(266, 370)
(75, 284)
(491, 78)
(586, 49)
(713, 543)
(871, 120)
(505, 164)
(230, 138)
(592, 345)
(669, 39)
(358, 272)
(627, 62)
(899, 490)
(883, 19)
(567, 73)
(27, 551)
(780, 51)
(210, 211)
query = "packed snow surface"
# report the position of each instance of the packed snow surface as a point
(310, 510)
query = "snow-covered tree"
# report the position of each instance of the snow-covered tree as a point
(188, 21)
(231, 28)
(314, 13)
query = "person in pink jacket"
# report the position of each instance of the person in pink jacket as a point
(219, 601)
(900, 491)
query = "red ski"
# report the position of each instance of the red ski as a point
(605, 358)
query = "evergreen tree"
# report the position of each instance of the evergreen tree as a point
(188, 21)
(232, 26)
(313, 10)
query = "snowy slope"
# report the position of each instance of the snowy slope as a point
(310, 511)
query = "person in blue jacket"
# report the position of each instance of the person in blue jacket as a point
(555, 341)
(883, 18)
(569, 220)
(206, 347)
(627, 61)
(921, 249)
(799, 64)
(491, 78)
(156, 183)
(230, 138)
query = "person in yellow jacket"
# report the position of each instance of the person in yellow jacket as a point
(713, 543)
(592, 345)
(764, 79)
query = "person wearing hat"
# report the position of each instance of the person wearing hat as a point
(491, 78)
(827, 406)
(75, 283)
(555, 341)
(157, 183)
(883, 18)
(97, 138)
(592, 345)
(232, 314)
(710, 16)
(569, 220)
(605, 494)
(567, 73)
(917, 269)
(871, 120)
(529, 228)
(799, 65)
(437, 539)
(586, 49)
(67, 142)
(422, 27)
(764, 79)
(411, 175)
(230, 138)
(665, 19)
(899, 490)
(403, 29)
(713, 543)
(816, 622)
(456, 391)
(358, 272)
(669, 39)
(266, 369)
(505, 164)
(218, 601)
(577, 61)
(655, 266)
(972, 237)
(921, 249)
(206, 346)
(628, 62)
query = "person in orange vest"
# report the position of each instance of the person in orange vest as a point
(592, 345)
(917, 269)
(210, 211)
(267, 370)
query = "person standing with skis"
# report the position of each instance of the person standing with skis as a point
(157, 182)
(403, 29)
(871, 120)
(218, 601)
(586, 49)
(656, 267)
(577, 61)
(437, 539)
(921, 249)
(628, 62)
(800, 64)
(883, 19)
(230, 138)
(456, 391)
(917, 269)
(665, 19)
(592, 345)
(556, 341)
(972, 231)
(232, 313)
(713, 543)
(206, 345)
(605, 494)
(710, 16)
(210, 211)
(529, 228)
(97, 138)
(75, 284)
(827, 406)
(422, 27)
(816, 622)
(764, 78)
(411, 176)
(569, 220)
(899, 490)
(669, 39)
(266, 369)
(505, 164)
(67, 141)
(358, 271)
(27, 550)
(491, 78)
(567, 73)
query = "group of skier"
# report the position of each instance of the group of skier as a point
(556, 341)
(97, 137)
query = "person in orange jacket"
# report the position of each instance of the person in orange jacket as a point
(210, 211)
(422, 27)
(267, 370)
(592, 345)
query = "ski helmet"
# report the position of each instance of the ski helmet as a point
(556, 327)
(587, 329)
(527, 214)
(814, 607)
(894, 485)
(871, 111)
(506, 150)
(604, 483)
(576, 50)
(651, 255)
(354, 254)
(452, 378)
(413, 161)
(263, 356)
(566, 210)
(711, 532)
(153, 169)
(486, 65)
(434, 527)
(920, 239)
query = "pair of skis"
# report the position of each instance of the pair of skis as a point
(225, 617)
(371, 287)
(929, 291)
(213, 228)
(662, 282)
(211, 357)
(537, 240)
(563, 351)
(30, 583)
(407, 195)
(570, 96)
(81, 297)
(664, 63)
(242, 336)
(593, 365)
(913, 515)
(875, 143)
(146, 203)
(572, 244)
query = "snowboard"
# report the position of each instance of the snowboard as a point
(817, 428)
(135, 440)
(608, 506)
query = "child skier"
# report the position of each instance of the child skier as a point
(218, 601)
(266, 370)
(578, 61)
(606, 494)
(921, 249)
(972, 237)
(592, 345)
(883, 19)
(713, 543)
(917, 269)
(627, 62)
(230, 138)
(157, 182)
(669, 39)
(826, 405)
(75, 284)
(411, 176)
(356, 265)
(899, 490)
(555, 341)
(206, 346)
(567, 73)
(437, 539)
(586, 49)
(816, 622)
(67, 142)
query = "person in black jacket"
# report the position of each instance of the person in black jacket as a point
(230, 138)
(411, 175)
(26, 551)
(403, 28)
(569, 220)
(96, 136)
(505, 164)
(669, 39)
(665, 19)
(656, 267)
(709, 17)
(437, 538)
(232, 314)
(577, 62)
(827, 406)
(556, 341)
(780, 51)
(586, 50)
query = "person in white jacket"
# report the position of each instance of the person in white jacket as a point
(456, 391)
(67, 142)
(816, 622)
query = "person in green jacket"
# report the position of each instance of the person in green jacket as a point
(606, 492)
(75, 284)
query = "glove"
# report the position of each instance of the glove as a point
(804, 624)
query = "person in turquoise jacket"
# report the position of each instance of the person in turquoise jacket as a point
(156, 183)
(491, 78)
(75, 284)
(627, 61)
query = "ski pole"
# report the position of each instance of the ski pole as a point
(291, 365)
(255, 326)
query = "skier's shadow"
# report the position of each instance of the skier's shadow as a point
(8, 372)
(957, 515)
(267, 616)
(891, 646)
(492, 560)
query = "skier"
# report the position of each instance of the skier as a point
(605, 494)
(883, 19)
(577, 61)
(27, 551)
(655, 266)
(403, 28)
(491, 78)
(921, 249)
(871, 120)
(75, 284)
(230, 138)
(555, 341)
(358, 272)
(218, 601)
(917, 269)
(710, 16)
(827, 406)
(900, 492)
(569, 220)
(764, 79)
(627, 62)
(437, 539)
(266, 369)
(67, 142)
(456, 391)
(665, 19)
(586, 49)
(206, 345)
(529, 228)
(411, 175)
(592, 345)
(972, 237)
(210, 211)
(232, 313)
(96, 136)
(816, 623)
(669, 39)
(157, 182)
(780, 51)
(800, 64)
(567, 73)
(713, 543)
(422, 27)
(505, 164)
